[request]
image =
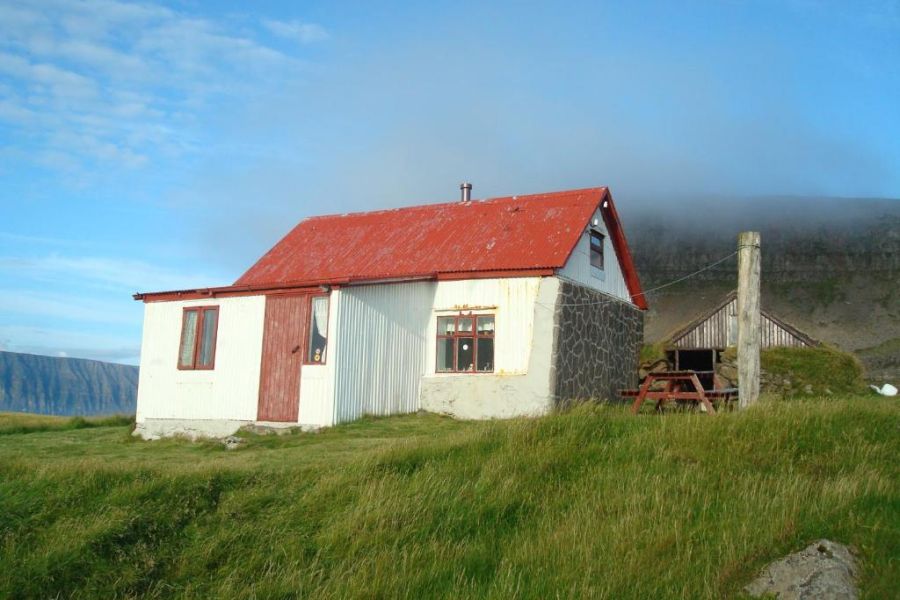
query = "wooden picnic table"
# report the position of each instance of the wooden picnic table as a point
(678, 386)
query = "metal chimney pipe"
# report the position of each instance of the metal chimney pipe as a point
(466, 189)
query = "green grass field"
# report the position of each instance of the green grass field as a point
(592, 503)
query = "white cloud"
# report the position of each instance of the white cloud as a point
(67, 306)
(104, 82)
(305, 33)
(118, 274)
(18, 238)
(13, 113)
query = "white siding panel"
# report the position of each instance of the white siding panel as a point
(511, 300)
(524, 333)
(230, 391)
(317, 381)
(380, 348)
(315, 390)
(578, 267)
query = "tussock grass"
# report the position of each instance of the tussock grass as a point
(590, 503)
(652, 352)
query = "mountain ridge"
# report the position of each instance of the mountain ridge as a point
(65, 386)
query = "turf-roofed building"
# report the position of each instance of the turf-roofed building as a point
(478, 309)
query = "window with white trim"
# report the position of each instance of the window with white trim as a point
(465, 344)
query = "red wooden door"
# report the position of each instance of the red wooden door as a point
(285, 331)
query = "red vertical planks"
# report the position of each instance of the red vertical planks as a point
(284, 344)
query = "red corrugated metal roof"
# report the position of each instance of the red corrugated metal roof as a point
(518, 233)
(525, 232)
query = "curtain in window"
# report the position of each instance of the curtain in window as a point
(188, 338)
(318, 330)
(320, 313)
(208, 339)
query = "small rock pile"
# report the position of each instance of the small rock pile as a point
(232, 441)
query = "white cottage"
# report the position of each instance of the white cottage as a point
(477, 309)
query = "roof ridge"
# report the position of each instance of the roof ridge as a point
(456, 203)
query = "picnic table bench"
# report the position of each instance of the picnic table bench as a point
(683, 387)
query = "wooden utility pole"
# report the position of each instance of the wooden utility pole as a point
(748, 318)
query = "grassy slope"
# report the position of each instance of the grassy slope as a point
(595, 502)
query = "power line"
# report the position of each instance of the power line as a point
(671, 283)
(645, 292)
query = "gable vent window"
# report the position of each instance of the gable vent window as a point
(199, 326)
(596, 251)
(465, 344)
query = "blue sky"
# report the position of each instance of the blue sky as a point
(150, 146)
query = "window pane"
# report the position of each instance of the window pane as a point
(485, 354)
(465, 353)
(444, 354)
(208, 341)
(446, 325)
(486, 325)
(596, 250)
(465, 325)
(318, 329)
(188, 337)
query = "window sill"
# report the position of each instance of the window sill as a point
(500, 373)
(461, 373)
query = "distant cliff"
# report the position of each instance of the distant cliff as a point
(65, 386)
(830, 266)
(803, 239)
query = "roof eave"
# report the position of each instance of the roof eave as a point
(311, 285)
(623, 253)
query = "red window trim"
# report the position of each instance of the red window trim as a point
(306, 360)
(474, 335)
(197, 338)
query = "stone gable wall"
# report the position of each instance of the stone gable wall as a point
(597, 342)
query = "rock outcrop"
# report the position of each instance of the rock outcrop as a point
(824, 570)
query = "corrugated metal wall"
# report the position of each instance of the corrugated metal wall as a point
(720, 331)
(386, 338)
(229, 391)
(380, 352)
(578, 267)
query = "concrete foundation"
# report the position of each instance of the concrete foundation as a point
(485, 396)
(154, 429)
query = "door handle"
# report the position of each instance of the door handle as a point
(294, 351)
